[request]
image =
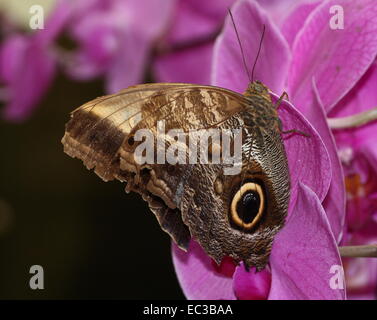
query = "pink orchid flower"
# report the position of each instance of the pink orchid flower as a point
(115, 39)
(185, 53)
(346, 78)
(306, 248)
(28, 66)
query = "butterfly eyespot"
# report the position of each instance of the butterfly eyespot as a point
(247, 205)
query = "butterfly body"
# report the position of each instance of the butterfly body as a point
(229, 215)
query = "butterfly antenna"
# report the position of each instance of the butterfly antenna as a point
(259, 49)
(240, 44)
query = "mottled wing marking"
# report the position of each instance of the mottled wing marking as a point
(190, 109)
(104, 123)
(97, 131)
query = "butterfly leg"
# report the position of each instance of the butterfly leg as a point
(278, 102)
(292, 131)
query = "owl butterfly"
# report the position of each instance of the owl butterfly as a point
(229, 215)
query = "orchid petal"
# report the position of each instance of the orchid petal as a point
(336, 58)
(27, 66)
(197, 276)
(127, 68)
(195, 19)
(295, 21)
(279, 10)
(192, 65)
(335, 200)
(304, 252)
(148, 18)
(251, 285)
(187, 54)
(55, 23)
(361, 98)
(115, 39)
(11, 52)
(308, 159)
(31, 77)
(228, 70)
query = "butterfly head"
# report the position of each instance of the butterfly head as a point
(258, 89)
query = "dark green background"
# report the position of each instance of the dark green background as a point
(93, 239)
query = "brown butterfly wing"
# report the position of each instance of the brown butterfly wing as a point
(98, 134)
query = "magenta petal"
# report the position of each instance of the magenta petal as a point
(361, 98)
(11, 52)
(336, 59)
(27, 66)
(99, 41)
(308, 159)
(251, 285)
(115, 38)
(295, 21)
(335, 200)
(197, 276)
(228, 70)
(148, 18)
(31, 76)
(127, 67)
(189, 43)
(195, 19)
(278, 10)
(304, 252)
(192, 65)
(55, 23)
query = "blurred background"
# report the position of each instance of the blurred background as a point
(92, 239)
